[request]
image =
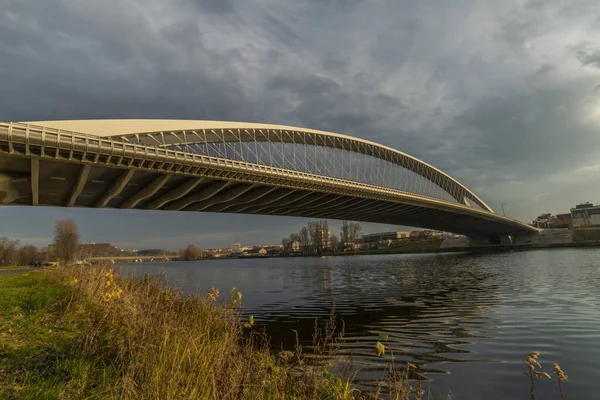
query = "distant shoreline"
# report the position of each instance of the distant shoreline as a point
(473, 249)
(424, 250)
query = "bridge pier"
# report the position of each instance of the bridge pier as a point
(490, 240)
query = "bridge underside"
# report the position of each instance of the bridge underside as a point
(100, 184)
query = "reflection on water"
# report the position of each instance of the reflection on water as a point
(465, 320)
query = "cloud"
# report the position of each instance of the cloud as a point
(587, 53)
(498, 94)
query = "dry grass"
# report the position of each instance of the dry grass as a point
(161, 343)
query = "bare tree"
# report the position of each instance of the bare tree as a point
(304, 238)
(318, 232)
(345, 234)
(334, 242)
(66, 237)
(9, 251)
(312, 227)
(355, 230)
(192, 253)
(29, 255)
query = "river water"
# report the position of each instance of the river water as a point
(466, 320)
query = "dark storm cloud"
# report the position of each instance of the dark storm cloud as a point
(587, 53)
(76, 67)
(499, 94)
(217, 6)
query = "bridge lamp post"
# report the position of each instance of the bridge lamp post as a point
(502, 205)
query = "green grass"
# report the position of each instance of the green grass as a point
(12, 267)
(36, 338)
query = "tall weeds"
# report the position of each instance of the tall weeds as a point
(161, 343)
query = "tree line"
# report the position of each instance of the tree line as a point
(65, 249)
(12, 253)
(316, 237)
(548, 220)
(66, 237)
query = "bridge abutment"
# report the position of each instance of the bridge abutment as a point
(490, 240)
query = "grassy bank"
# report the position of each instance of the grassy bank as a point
(82, 333)
(13, 267)
(72, 333)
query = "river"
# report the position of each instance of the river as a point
(466, 320)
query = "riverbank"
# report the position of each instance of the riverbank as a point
(71, 333)
(14, 267)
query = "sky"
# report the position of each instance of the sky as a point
(502, 95)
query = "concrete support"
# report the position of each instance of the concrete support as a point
(177, 193)
(268, 199)
(490, 240)
(303, 201)
(324, 205)
(295, 197)
(83, 175)
(116, 188)
(370, 208)
(203, 194)
(35, 181)
(221, 198)
(245, 199)
(146, 192)
(339, 204)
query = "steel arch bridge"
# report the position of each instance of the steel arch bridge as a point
(231, 167)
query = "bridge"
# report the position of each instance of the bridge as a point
(234, 167)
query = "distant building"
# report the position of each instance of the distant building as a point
(359, 244)
(322, 238)
(260, 251)
(293, 246)
(218, 250)
(384, 244)
(393, 236)
(425, 234)
(586, 214)
(236, 247)
(562, 221)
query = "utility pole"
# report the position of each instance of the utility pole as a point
(503, 213)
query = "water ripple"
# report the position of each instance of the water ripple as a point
(465, 320)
